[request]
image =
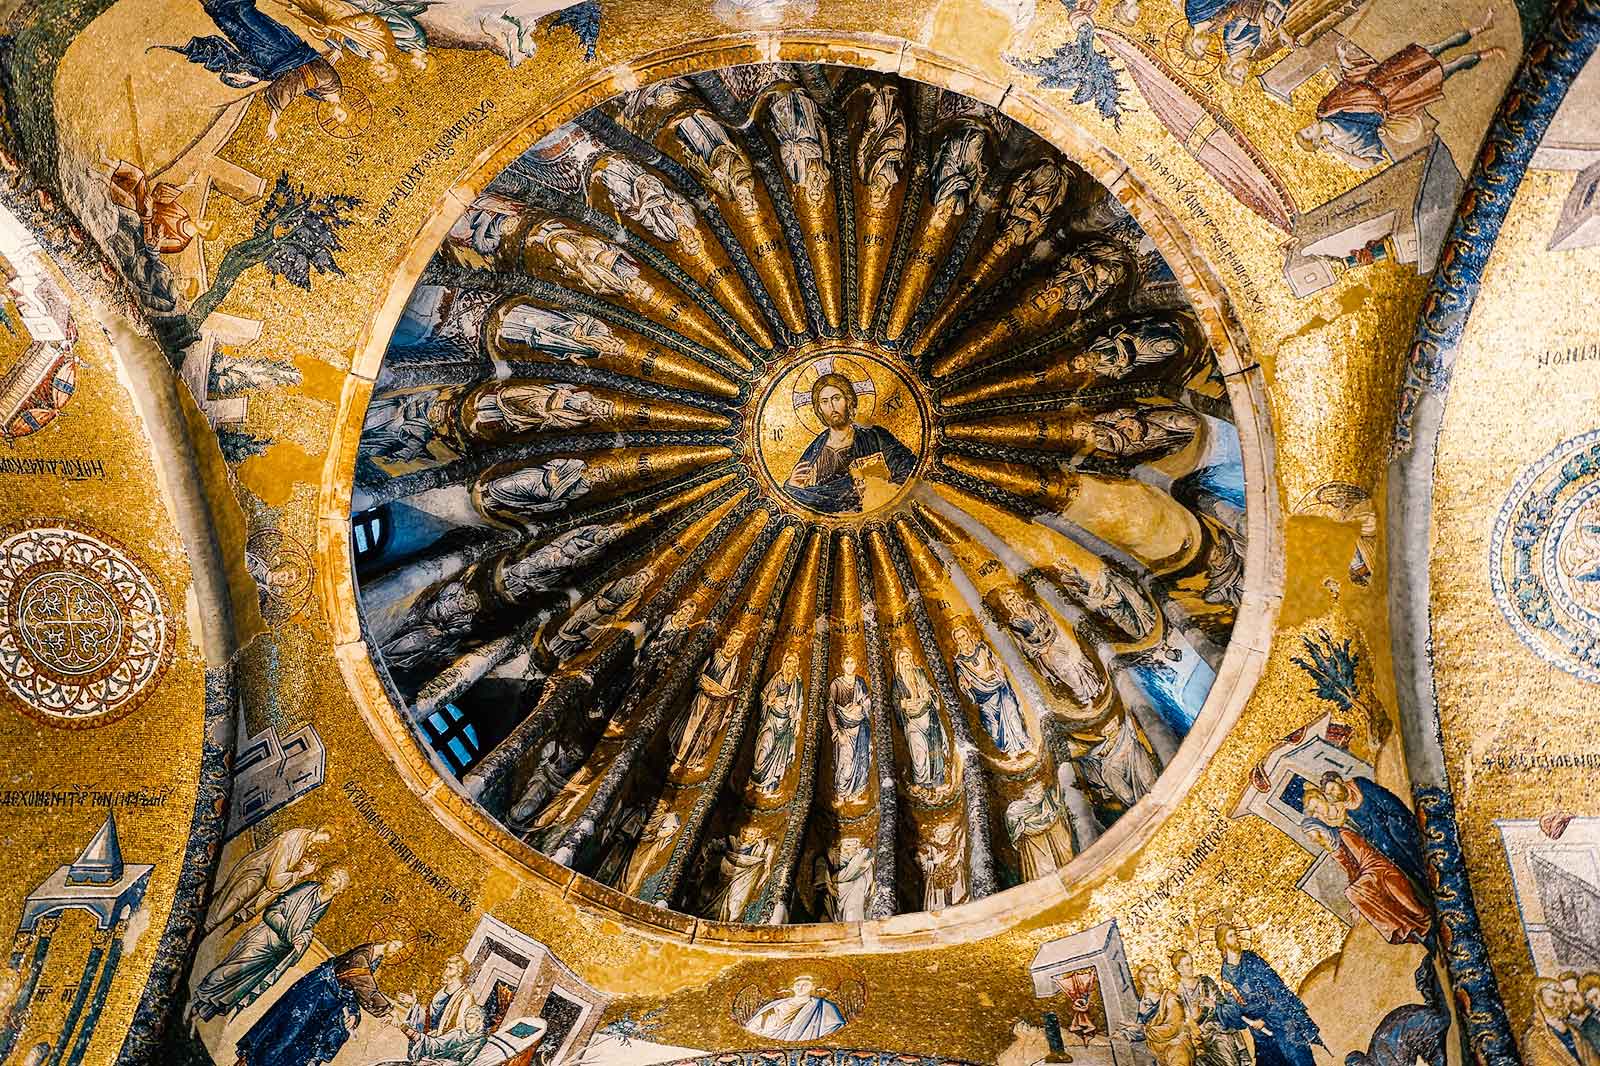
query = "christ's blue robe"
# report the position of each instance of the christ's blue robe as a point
(838, 493)
(1356, 132)
(258, 47)
(308, 1024)
(1262, 995)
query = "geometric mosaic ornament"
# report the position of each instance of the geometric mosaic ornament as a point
(84, 630)
(1544, 557)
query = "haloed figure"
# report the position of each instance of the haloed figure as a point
(829, 476)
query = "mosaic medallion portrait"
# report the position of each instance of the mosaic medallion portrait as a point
(845, 512)
(841, 434)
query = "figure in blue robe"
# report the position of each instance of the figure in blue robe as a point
(986, 685)
(1280, 1025)
(825, 478)
(257, 50)
(1383, 820)
(267, 948)
(312, 1021)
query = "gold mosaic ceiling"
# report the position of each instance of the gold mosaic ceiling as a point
(800, 495)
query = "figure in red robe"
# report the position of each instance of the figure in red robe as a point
(1378, 890)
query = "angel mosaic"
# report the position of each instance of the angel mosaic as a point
(569, 335)
(881, 152)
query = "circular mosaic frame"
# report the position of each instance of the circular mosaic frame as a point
(86, 631)
(379, 701)
(1525, 571)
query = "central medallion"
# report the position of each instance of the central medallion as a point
(840, 432)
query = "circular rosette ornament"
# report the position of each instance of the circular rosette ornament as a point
(1545, 557)
(84, 629)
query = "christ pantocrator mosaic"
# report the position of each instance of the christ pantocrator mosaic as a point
(828, 506)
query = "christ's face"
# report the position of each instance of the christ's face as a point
(833, 407)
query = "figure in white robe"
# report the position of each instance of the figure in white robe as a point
(802, 142)
(645, 198)
(716, 160)
(780, 716)
(958, 170)
(595, 265)
(1035, 823)
(802, 1015)
(558, 760)
(1120, 765)
(542, 487)
(534, 407)
(570, 335)
(704, 721)
(943, 859)
(849, 705)
(400, 427)
(842, 880)
(741, 869)
(1054, 653)
(544, 568)
(264, 874)
(986, 685)
(881, 154)
(653, 849)
(596, 614)
(437, 625)
(1110, 594)
(1130, 345)
(267, 948)
(914, 698)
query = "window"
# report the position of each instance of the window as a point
(454, 737)
(369, 532)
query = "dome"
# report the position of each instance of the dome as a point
(802, 488)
